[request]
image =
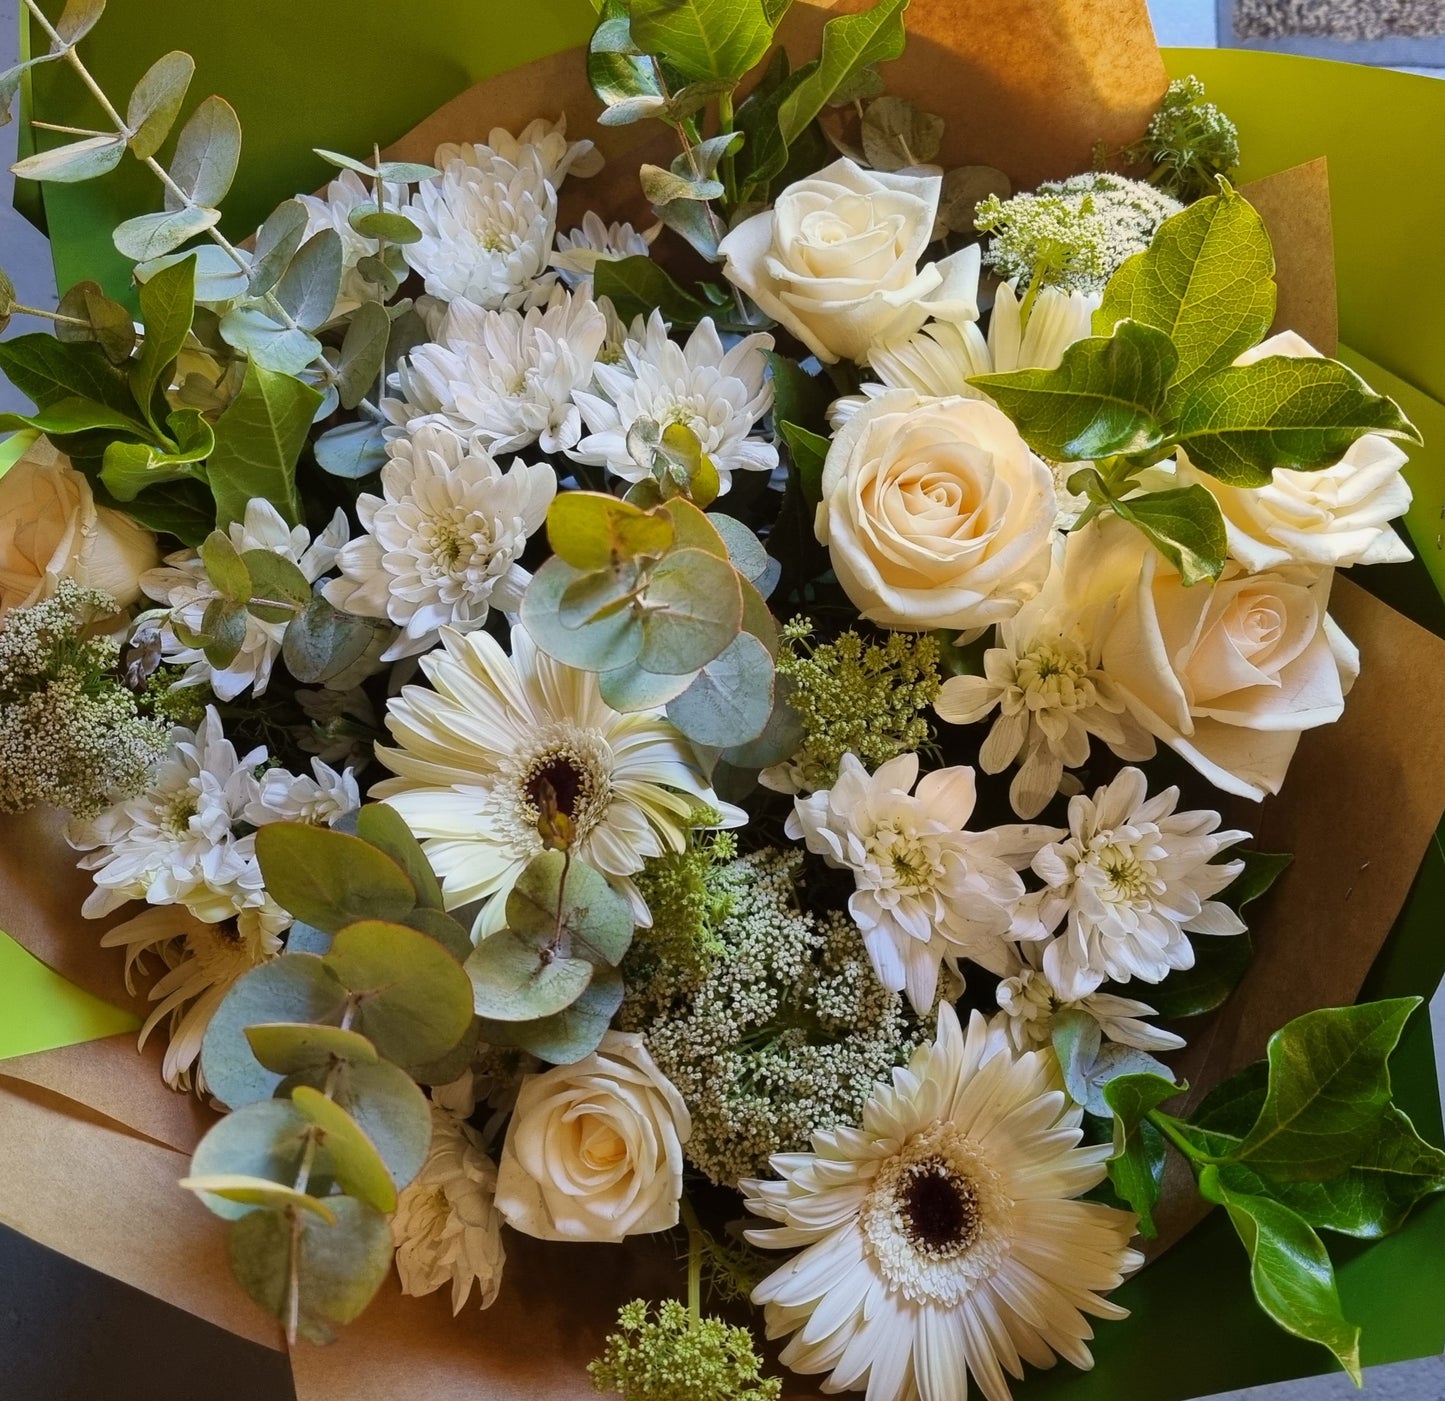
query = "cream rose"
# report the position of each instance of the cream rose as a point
(836, 261)
(51, 529)
(935, 513)
(594, 1151)
(1228, 675)
(1339, 515)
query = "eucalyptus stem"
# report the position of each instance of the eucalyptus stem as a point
(19, 309)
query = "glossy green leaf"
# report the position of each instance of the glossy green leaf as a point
(355, 1163)
(156, 102)
(72, 163)
(731, 699)
(694, 611)
(513, 980)
(809, 452)
(1329, 1084)
(414, 1001)
(261, 1142)
(1219, 964)
(1290, 1270)
(167, 308)
(258, 440)
(207, 153)
(1302, 413)
(1261, 870)
(73, 415)
(330, 879)
(289, 1048)
(798, 397)
(48, 370)
(1185, 525)
(703, 39)
(385, 829)
(1206, 282)
(1106, 397)
(1136, 1168)
(851, 43)
(601, 646)
(571, 907)
(637, 285)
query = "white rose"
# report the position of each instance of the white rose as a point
(935, 513)
(1228, 675)
(836, 261)
(594, 1150)
(51, 529)
(1339, 515)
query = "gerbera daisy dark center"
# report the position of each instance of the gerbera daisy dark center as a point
(937, 1208)
(558, 782)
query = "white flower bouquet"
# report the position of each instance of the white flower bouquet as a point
(699, 719)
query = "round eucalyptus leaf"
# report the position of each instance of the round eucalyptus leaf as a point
(782, 736)
(415, 1002)
(694, 611)
(630, 688)
(592, 530)
(694, 529)
(744, 548)
(597, 595)
(444, 929)
(248, 1192)
(264, 1142)
(355, 1162)
(731, 701)
(330, 879)
(566, 902)
(297, 987)
(451, 1065)
(385, 828)
(386, 224)
(278, 589)
(600, 646)
(576, 1031)
(513, 980)
(289, 1047)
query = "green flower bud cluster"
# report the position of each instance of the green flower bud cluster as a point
(71, 733)
(1190, 143)
(674, 1356)
(857, 697)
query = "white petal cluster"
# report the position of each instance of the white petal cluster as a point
(504, 378)
(579, 251)
(443, 540)
(344, 196)
(183, 587)
(721, 395)
(447, 1229)
(540, 140)
(926, 888)
(322, 798)
(1130, 880)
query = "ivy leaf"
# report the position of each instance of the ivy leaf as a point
(156, 102)
(208, 151)
(703, 39)
(1302, 413)
(258, 440)
(1137, 1167)
(765, 153)
(798, 397)
(1290, 1270)
(1218, 966)
(637, 285)
(1329, 1085)
(809, 452)
(1185, 525)
(1105, 399)
(1206, 281)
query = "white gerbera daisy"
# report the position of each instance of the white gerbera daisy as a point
(943, 1238)
(344, 196)
(204, 960)
(447, 1229)
(579, 252)
(185, 840)
(718, 394)
(477, 755)
(1029, 1003)
(487, 226)
(1130, 880)
(184, 588)
(442, 540)
(502, 377)
(926, 888)
(544, 141)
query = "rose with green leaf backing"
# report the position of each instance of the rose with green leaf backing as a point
(1165, 371)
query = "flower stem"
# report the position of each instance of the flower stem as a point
(694, 1260)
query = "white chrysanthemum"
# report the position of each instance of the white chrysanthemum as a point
(323, 797)
(927, 889)
(1130, 880)
(1029, 1003)
(344, 195)
(1044, 678)
(578, 252)
(487, 226)
(540, 140)
(183, 587)
(476, 755)
(943, 1238)
(204, 961)
(186, 839)
(939, 360)
(504, 378)
(447, 1229)
(443, 539)
(718, 394)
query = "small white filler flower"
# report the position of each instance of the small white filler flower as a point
(443, 539)
(1129, 882)
(943, 1238)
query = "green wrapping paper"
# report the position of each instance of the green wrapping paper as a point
(1194, 1328)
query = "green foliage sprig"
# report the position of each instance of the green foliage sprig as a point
(1189, 142)
(1158, 377)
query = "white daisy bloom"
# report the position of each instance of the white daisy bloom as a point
(578, 252)
(204, 960)
(447, 1229)
(540, 140)
(1029, 1003)
(443, 539)
(1129, 881)
(487, 226)
(177, 843)
(943, 1238)
(1044, 678)
(939, 360)
(504, 378)
(475, 754)
(323, 797)
(926, 888)
(719, 394)
(347, 193)
(183, 587)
